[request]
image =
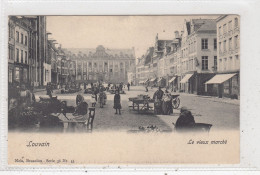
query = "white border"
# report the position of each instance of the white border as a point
(250, 56)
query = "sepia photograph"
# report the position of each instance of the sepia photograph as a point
(151, 76)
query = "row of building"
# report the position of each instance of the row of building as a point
(203, 58)
(34, 60)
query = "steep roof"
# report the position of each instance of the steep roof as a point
(148, 55)
(208, 26)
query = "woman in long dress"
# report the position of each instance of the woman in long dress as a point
(117, 104)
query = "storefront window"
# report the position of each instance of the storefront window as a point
(17, 74)
(10, 76)
(25, 75)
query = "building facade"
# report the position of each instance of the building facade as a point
(198, 54)
(27, 46)
(103, 64)
(228, 62)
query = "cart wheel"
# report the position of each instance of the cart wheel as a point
(176, 103)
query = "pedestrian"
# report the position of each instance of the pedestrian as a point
(158, 95)
(121, 86)
(49, 90)
(185, 121)
(146, 88)
(128, 86)
(117, 104)
(79, 99)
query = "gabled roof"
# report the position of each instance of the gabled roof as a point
(208, 26)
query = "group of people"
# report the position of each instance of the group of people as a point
(162, 101)
(163, 105)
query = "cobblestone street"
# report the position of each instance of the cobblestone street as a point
(221, 113)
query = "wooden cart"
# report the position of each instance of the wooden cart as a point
(141, 104)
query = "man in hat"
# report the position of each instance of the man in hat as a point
(185, 120)
(158, 95)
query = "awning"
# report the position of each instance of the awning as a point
(220, 78)
(160, 79)
(146, 81)
(186, 78)
(171, 80)
(152, 80)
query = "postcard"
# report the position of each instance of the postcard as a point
(123, 90)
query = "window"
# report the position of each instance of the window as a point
(215, 62)
(237, 62)
(10, 31)
(225, 46)
(25, 40)
(21, 56)
(224, 28)
(230, 44)
(236, 41)
(25, 57)
(17, 36)
(219, 31)
(111, 70)
(21, 38)
(220, 64)
(17, 55)
(10, 76)
(11, 52)
(204, 62)
(219, 47)
(236, 22)
(17, 74)
(230, 63)
(229, 25)
(215, 43)
(225, 63)
(204, 43)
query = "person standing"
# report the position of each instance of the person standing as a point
(158, 95)
(49, 90)
(128, 86)
(117, 103)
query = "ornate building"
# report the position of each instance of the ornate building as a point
(102, 64)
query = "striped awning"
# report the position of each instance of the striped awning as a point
(220, 78)
(171, 80)
(186, 78)
(152, 80)
(160, 79)
(146, 81)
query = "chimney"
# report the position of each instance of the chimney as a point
(176, 34)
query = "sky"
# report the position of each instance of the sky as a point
(114, 31)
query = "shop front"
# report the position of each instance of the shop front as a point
(224, 85)
(161, 82)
